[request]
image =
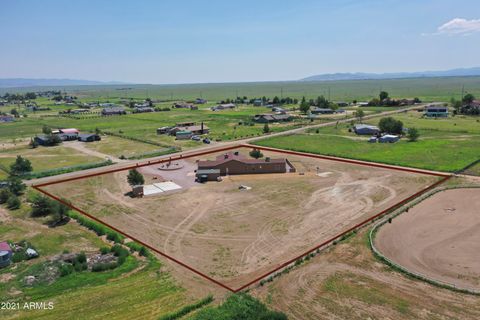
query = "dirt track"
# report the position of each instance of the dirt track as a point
(233, 235)
(439, 238)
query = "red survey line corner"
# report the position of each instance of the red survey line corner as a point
(444, 177)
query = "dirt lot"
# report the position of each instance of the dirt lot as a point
(439, 238)
(235, 235)
(347, 282)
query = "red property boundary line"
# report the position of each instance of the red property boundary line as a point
(445, 177)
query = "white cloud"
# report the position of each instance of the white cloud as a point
(458, 26)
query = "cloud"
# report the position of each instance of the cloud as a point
(458, 26)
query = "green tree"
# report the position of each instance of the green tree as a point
(5, 194)
(468, 98)
(14, 113)
(135, 178)
(413, 134)
(383, 95)
(46, 129)
(31, 95)
(266, 128)
(322, 102)
(42, 206)
(15, 185)
(359, 114)
(390, 125)
(13, 202)
(20, 166)
(255, 153)
(304, 106)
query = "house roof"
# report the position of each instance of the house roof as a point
(365, 126)
(86, 135)
(236, 156)
(4, 246)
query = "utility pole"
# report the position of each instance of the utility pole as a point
(463, 92)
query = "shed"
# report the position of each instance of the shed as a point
(183, 135)
(388, 138)
(89, 137)
(5, 254)
(204, 175)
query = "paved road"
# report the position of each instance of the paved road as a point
(127, 163)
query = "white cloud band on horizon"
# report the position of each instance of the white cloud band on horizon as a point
(458, 26)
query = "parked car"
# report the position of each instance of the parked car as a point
(206, 140)
(196, 138)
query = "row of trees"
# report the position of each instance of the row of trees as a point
(19, 97)
(319, 102)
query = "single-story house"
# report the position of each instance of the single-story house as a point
(434, 111)
(6, 254)
(279, 110)
(342, 104)
(235, 163)
(68, 136)
(69, 131)
(191, 127)
(163, 130)
(89, 137)
(200, 101)
(322, 111)
(223, 106)
(362, 104)
(184, 135)
(203, 175)
(42, 140)
(178, 105)
(7, 118)
(268, 118)
(365, 129)
(388, 138)
(185, 124)
(113, 111)
(258, 102)
(143, 109)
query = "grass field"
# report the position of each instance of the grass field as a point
(139, 288)
(430, 89)
(46, 158)
(444, 144)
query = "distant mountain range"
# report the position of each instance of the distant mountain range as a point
(463, 72)
(25, 82)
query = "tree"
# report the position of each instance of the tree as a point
(13, 202)
(53, 139)
(322, 102)
(15, 185)
(468, 98)
(359, 114)
(135, 178)
(21, 166)
(304, 106)
(413, 134)
(266, 128)
(42, 206)
(14, 113)
(30, 95)
(390, 125)
(5, 194)
(255, 153)
(46, 129)
(383, 95)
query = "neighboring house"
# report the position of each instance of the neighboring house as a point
(365, 129)
(183, 135)
(107, 105)
(113, 111)
(342, 104)
(258, 102)
(279, 110)
(69, 131)
(200, 101)
(182, 105)
(322, 111)
(7, 119)
(223, 106)
(388, 138)
(42, 140)
(163, 130)
(195, 130)
(89, 137)
(6, 254)
(362, 104)
(143, 109)
(68, 136)
(269, 118)
(235, 163)
(436, 112)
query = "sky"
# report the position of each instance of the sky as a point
(204, 41)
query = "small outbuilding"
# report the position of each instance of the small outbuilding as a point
(388, 138)
(365, 129)
(89, 137)
(6, 254)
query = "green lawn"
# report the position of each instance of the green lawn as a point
(445, 145)
(46, 158)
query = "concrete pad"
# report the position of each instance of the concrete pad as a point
(151, 189)
(167, 186)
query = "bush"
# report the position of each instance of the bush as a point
(104, 250)
(65, 269)
(255, 153)
(413, 134)
(5, 194)
(99, 267)
(13, 202)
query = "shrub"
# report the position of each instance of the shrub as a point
(5, 194)
(65, 269)
(13, 202)
(104, 250)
